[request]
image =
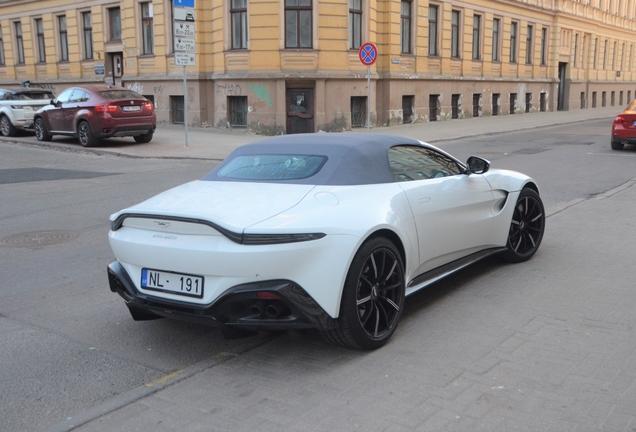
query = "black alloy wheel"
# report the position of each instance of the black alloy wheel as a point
(373, 297)
(6, 128)
(85, 134)
(526, 227)
(41, 133)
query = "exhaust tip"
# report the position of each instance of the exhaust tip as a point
(257, 309)
(276, 309)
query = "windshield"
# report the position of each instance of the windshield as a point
(272, 167)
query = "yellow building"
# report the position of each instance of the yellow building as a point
(293, 65)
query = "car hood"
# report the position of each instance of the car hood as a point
(231, 205)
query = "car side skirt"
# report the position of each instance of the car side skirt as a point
(432, 276)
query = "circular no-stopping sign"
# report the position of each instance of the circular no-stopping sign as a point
(368, 53)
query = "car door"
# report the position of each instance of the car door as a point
(55, 115)
(70, 109)
(452, 210)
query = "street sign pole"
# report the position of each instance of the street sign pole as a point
(183, 12)
(368, 54)
(185, 105)
(368, 99)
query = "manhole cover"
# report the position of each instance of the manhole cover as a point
(39, 238)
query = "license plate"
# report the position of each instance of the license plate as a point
(131, 108)
(174, 283)
(635, 124)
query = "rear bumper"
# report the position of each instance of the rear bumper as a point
(124, 131)
(239, 307)
(624, 138)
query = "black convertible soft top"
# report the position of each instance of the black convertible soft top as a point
(353, 158)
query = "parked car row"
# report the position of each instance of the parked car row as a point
(101, 111)
(89, 113)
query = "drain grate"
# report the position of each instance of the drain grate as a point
(38, 238)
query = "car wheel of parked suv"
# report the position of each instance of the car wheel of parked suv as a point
(616, 145)
(142, 139)
(6, 127)
(85, 135)
(40, 130)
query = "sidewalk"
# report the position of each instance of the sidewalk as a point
(216, 144)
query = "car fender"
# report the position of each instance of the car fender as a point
(506, 180)
(349, 211)
(510, 183)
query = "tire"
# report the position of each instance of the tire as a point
(6, 128)
(526, 227)
(616, 145)
(373, 297)
(85, 135)
(142, 139)
(41, 133)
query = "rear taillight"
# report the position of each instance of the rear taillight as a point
(149, 106)
(618, 120)
(105, 108)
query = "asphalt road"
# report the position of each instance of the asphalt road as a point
(68, 343)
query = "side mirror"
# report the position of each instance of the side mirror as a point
(477, 165)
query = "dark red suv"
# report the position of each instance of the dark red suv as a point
(94, 112)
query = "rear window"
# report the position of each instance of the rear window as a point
(120, 94)
(272, 167)
(33, 95)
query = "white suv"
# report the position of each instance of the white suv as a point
(17, 108)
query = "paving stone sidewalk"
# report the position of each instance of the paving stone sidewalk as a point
(547, 345)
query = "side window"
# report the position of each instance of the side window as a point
(76, 96)
(420, 163)
(64, 96)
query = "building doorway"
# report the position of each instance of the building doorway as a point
(114, 68)
(300, 110)
(563, 91)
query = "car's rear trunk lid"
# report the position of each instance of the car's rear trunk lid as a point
(231, 206)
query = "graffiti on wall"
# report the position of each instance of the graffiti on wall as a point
(228, 89)
(260, 91)
(136, 87)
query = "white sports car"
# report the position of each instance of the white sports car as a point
(326, 231)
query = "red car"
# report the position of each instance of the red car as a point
(624, 128)
(94, 112)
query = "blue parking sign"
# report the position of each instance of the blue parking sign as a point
(184, 3)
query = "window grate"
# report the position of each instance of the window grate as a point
(358, 111)
(407, 109)
(476, 102)
(237, 108)
(176, 109)
(455, 106)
